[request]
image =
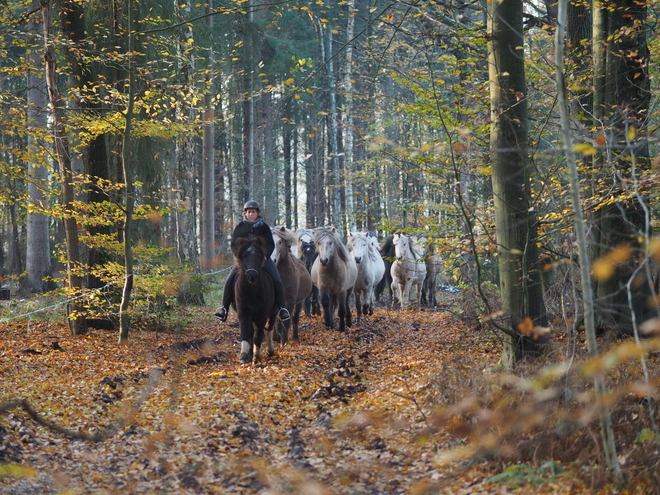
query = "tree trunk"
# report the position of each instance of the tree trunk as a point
(129, 198)
(248, 107)
(621, 104)
(607, 432)
(333, 141)
(37, 259)
(348, 112)
(520, 281)
(208, 167)
(77, 322)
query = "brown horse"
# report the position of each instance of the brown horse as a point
(295, 278)
(254, 299)
(334, 272)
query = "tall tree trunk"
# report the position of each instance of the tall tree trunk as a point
(129, 197)
(77, 322)
(621, 103)
(520, 281)
(37, 259)
(185, 157)
(208, 164)
(607, 432)
(333, 140)
(248, 106)
(348, 112)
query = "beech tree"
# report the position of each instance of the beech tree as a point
(520, 282)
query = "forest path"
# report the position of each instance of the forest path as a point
(331, 414)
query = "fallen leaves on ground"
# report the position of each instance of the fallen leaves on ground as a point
(334, 413)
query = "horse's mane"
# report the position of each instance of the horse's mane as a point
(302, 232)
(342, 250)
(285, 234)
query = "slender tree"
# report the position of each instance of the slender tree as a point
(77, 321)
(37, 260)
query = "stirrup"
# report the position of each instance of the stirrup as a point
(284, 314)
(221, 313)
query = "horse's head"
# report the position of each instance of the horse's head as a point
(284, 240)
(250, 257)
(306, 247)
(325, 240)
(358, 242)
(401, 246)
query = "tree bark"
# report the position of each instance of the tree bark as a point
(208, 165)
(520, 281)
(37, 259)
(76, 317)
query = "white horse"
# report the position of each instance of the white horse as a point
(408, 270)
(371, 268)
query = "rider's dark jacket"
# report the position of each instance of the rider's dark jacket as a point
(259, 228)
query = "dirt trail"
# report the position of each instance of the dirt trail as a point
(332, 413)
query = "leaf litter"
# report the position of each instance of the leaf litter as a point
(333, 413)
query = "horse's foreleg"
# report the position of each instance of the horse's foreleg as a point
(358, 306)
(328, 310)
(295, 321)
(316, 306)
(405, 297)
(247, 339)
(348, 316)
(269, 335)
(258, 339)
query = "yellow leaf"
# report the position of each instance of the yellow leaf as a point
(603, 268)
(631, 133)
(291, 80)
(585, 148)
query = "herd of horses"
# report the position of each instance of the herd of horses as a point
(320, 272)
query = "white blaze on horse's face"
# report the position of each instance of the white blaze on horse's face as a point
(280, 245)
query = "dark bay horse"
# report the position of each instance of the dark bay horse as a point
(296, 279)
(254, 299)
(334, 272)
(388, 254)
(306, 251)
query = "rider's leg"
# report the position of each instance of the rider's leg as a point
(227, 296)
(280, 298)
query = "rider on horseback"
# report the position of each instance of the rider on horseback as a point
(253, 224)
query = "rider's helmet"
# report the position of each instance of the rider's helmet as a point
(251, 205)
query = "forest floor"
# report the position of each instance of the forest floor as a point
(375, 410)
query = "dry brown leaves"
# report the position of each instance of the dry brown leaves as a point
(331, 414)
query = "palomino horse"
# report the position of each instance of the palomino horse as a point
(371, 269)
(254, 298)
(408, 270)
(334, 272)
(295, 278)
(306, 251)
(434, 266)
